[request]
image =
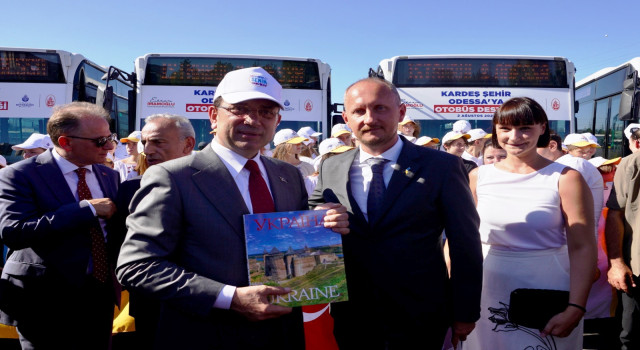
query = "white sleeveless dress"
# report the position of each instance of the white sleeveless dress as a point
(521, 222)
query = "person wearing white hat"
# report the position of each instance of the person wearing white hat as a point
(309, 152)
(186, 224)
(409, 129)
(288, 148)
(3, 162)
(632, 132)
(593, 141)
(35, 144)
(475, 144)
(461, 127)
(455, 143)
(126, 166)
(427, 141)
(579, 145)
(342, 132)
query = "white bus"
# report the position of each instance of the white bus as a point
(184, 84)
(608, 103)
(33, 81)
(441, 89)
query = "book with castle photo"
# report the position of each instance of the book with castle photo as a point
(293, 249)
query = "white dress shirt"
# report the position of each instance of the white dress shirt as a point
(360, 173)
(68, 170)
(235, 164)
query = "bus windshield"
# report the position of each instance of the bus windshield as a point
(208, 71)
(480, 72)
(33, 67)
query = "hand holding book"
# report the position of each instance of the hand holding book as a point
(336, 217)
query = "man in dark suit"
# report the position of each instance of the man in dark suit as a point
(399, 198)
(58, 283)
(164, 137)
(185, 243)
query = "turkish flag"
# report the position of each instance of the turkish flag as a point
(318, 327)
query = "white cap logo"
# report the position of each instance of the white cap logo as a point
(259, 80)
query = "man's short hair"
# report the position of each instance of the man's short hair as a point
(182, 123)
(66, 118)
(390, 86)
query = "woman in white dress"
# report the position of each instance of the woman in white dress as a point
(536, 223)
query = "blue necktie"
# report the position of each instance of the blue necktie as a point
(376, 189)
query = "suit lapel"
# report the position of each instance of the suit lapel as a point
(280, 185)
(105, 182)
(51, 175)
(215, 182)
(342, 172)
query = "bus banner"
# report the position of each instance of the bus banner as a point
(30, 100)
(478, 103)
(193, 102)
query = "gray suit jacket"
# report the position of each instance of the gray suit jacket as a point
(396, 272)
(45, 228)
(185, 241)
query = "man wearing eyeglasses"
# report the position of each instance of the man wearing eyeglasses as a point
(185, 243)
(53, 217)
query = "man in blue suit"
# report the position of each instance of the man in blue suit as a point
(400, 197)
(53, 217)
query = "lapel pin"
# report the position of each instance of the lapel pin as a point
(421, 180)
(284, 180)
(395, 166)
(408, 172)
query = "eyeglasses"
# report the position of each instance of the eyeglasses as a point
(100, 141)
(242, 110)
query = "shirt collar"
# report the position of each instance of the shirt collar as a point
(391, 154)
(66, 166)
(235, 162)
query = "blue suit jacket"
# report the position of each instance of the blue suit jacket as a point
(44, 226)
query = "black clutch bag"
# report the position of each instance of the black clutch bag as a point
(533, 308)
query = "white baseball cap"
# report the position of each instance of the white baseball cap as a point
(423, 140)
(307, 131)
(407, 119)
(135, 136)
(599, 161)
(3, 161)
(249, 84)
(340, 129)
(476, 134)
(461, 127)
(35, 140)
(453, 135)
(287, 136)
(332, 145)
(591, 138)
(577, 140)
(627, 130)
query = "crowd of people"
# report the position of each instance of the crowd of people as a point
(443, 241)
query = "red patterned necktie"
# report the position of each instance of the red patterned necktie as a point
(98, 246)
(261, 200)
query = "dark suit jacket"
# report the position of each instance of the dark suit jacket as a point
(185, 241)
(396, 272)
(45, 228)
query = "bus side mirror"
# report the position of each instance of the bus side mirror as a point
(628, 100)
(104, 98)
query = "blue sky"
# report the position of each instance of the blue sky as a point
(351, 36)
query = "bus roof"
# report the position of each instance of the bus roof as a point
(227, 55)
(634, 63)
(478, 56)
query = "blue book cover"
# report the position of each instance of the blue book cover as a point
(293, 249)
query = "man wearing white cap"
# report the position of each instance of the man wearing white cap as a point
(34, 145)
(475, 144)
(185, 244)
(309, 152)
